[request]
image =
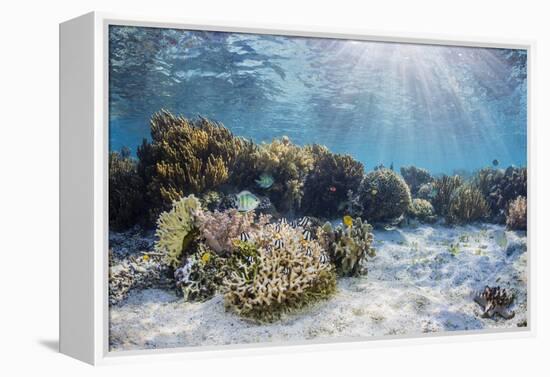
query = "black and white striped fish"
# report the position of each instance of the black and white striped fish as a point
(286, 270)
(245, 237)
(304, 221)
(278, 228)
(323, 258)
(309, 253)
(279, 244)
(283, 221)
(307, 235)
(249, 258)
(294, 224)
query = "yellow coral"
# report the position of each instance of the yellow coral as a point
(175, 229)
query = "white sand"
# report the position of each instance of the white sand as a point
(414, 285)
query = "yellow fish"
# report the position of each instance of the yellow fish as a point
(205, 258)
(145, 257)
(374, 192)
(348, 221)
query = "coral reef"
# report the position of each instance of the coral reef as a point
(327, 185)
(422, 210)
(125, 190)
(348, 245)
(444, 188)
(185, 157)
(415, 178)
(286, 273)
(495, 300)
(289, 166)
(467, 204)
(500, 188)
(200, 277)
(516, 218)
(221, 229)
(176, 229)
(136, 272)
(382, 196)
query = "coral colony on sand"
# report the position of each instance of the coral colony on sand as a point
(254, 223)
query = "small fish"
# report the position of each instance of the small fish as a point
(283, 221)
(265, 181)
(249, 259)
(309, 253)
(278, 228)
(246, 201)
(145, 257)
(495, 162)
(286, 270)
(323, 258)
(279, 244)
(348, 220)
(205, 258)
(500, 238)
(304, 221)
(332, 189)
(294, 224)
(307, 235)
(245, 237)
(374, 192)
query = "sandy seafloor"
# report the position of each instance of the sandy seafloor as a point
(414, 285)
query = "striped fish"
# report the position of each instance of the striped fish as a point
(245, 237)
(323, 258)
(309, 253)
(246, 201)
(283, 221)
(307, 235)
(304, 221)
(294, 224)
(249, 259)
(278, 228)
(279, 244)
(286, 270)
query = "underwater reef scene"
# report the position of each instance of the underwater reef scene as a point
(267, 189)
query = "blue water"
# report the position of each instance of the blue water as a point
(438, 107)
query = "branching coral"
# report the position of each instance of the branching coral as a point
(125, 191)
(415, 177)
(326, 186)
(348, 246)
(176, 229)
(500, 188)
(289, 165)
(382, 196)
(185, 157)
(201, 276)
(287, 273)
(516, 218)
(444, 188)
(467, 204)
(422, 210)
(220, 229)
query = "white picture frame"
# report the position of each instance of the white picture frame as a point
(84, 178)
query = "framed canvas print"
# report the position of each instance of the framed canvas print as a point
(225, 187)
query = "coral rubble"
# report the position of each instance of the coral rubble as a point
(495, 300)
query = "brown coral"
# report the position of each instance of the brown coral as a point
(467, 204)
(516, 218)
(444, 188)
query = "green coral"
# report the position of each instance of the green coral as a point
(176, 229)
(467, 204)
(289, 165)
(422, 210)
(327, 185)
(444, 188)
(382, 196)
(185, 157)
(415, 177)
(348, 246)
(125, 190)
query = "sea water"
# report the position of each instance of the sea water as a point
(445, 108)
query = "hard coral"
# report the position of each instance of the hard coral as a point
(444, 188)
(467, 204)
(348, 245)
(415, 177)
(289, 165)
(287, 273)
(176, 229)
(422, 210)
(185, 157)
(516, 218)
(495, 300)
(326, 186)
(125, 191)
(382, 196)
